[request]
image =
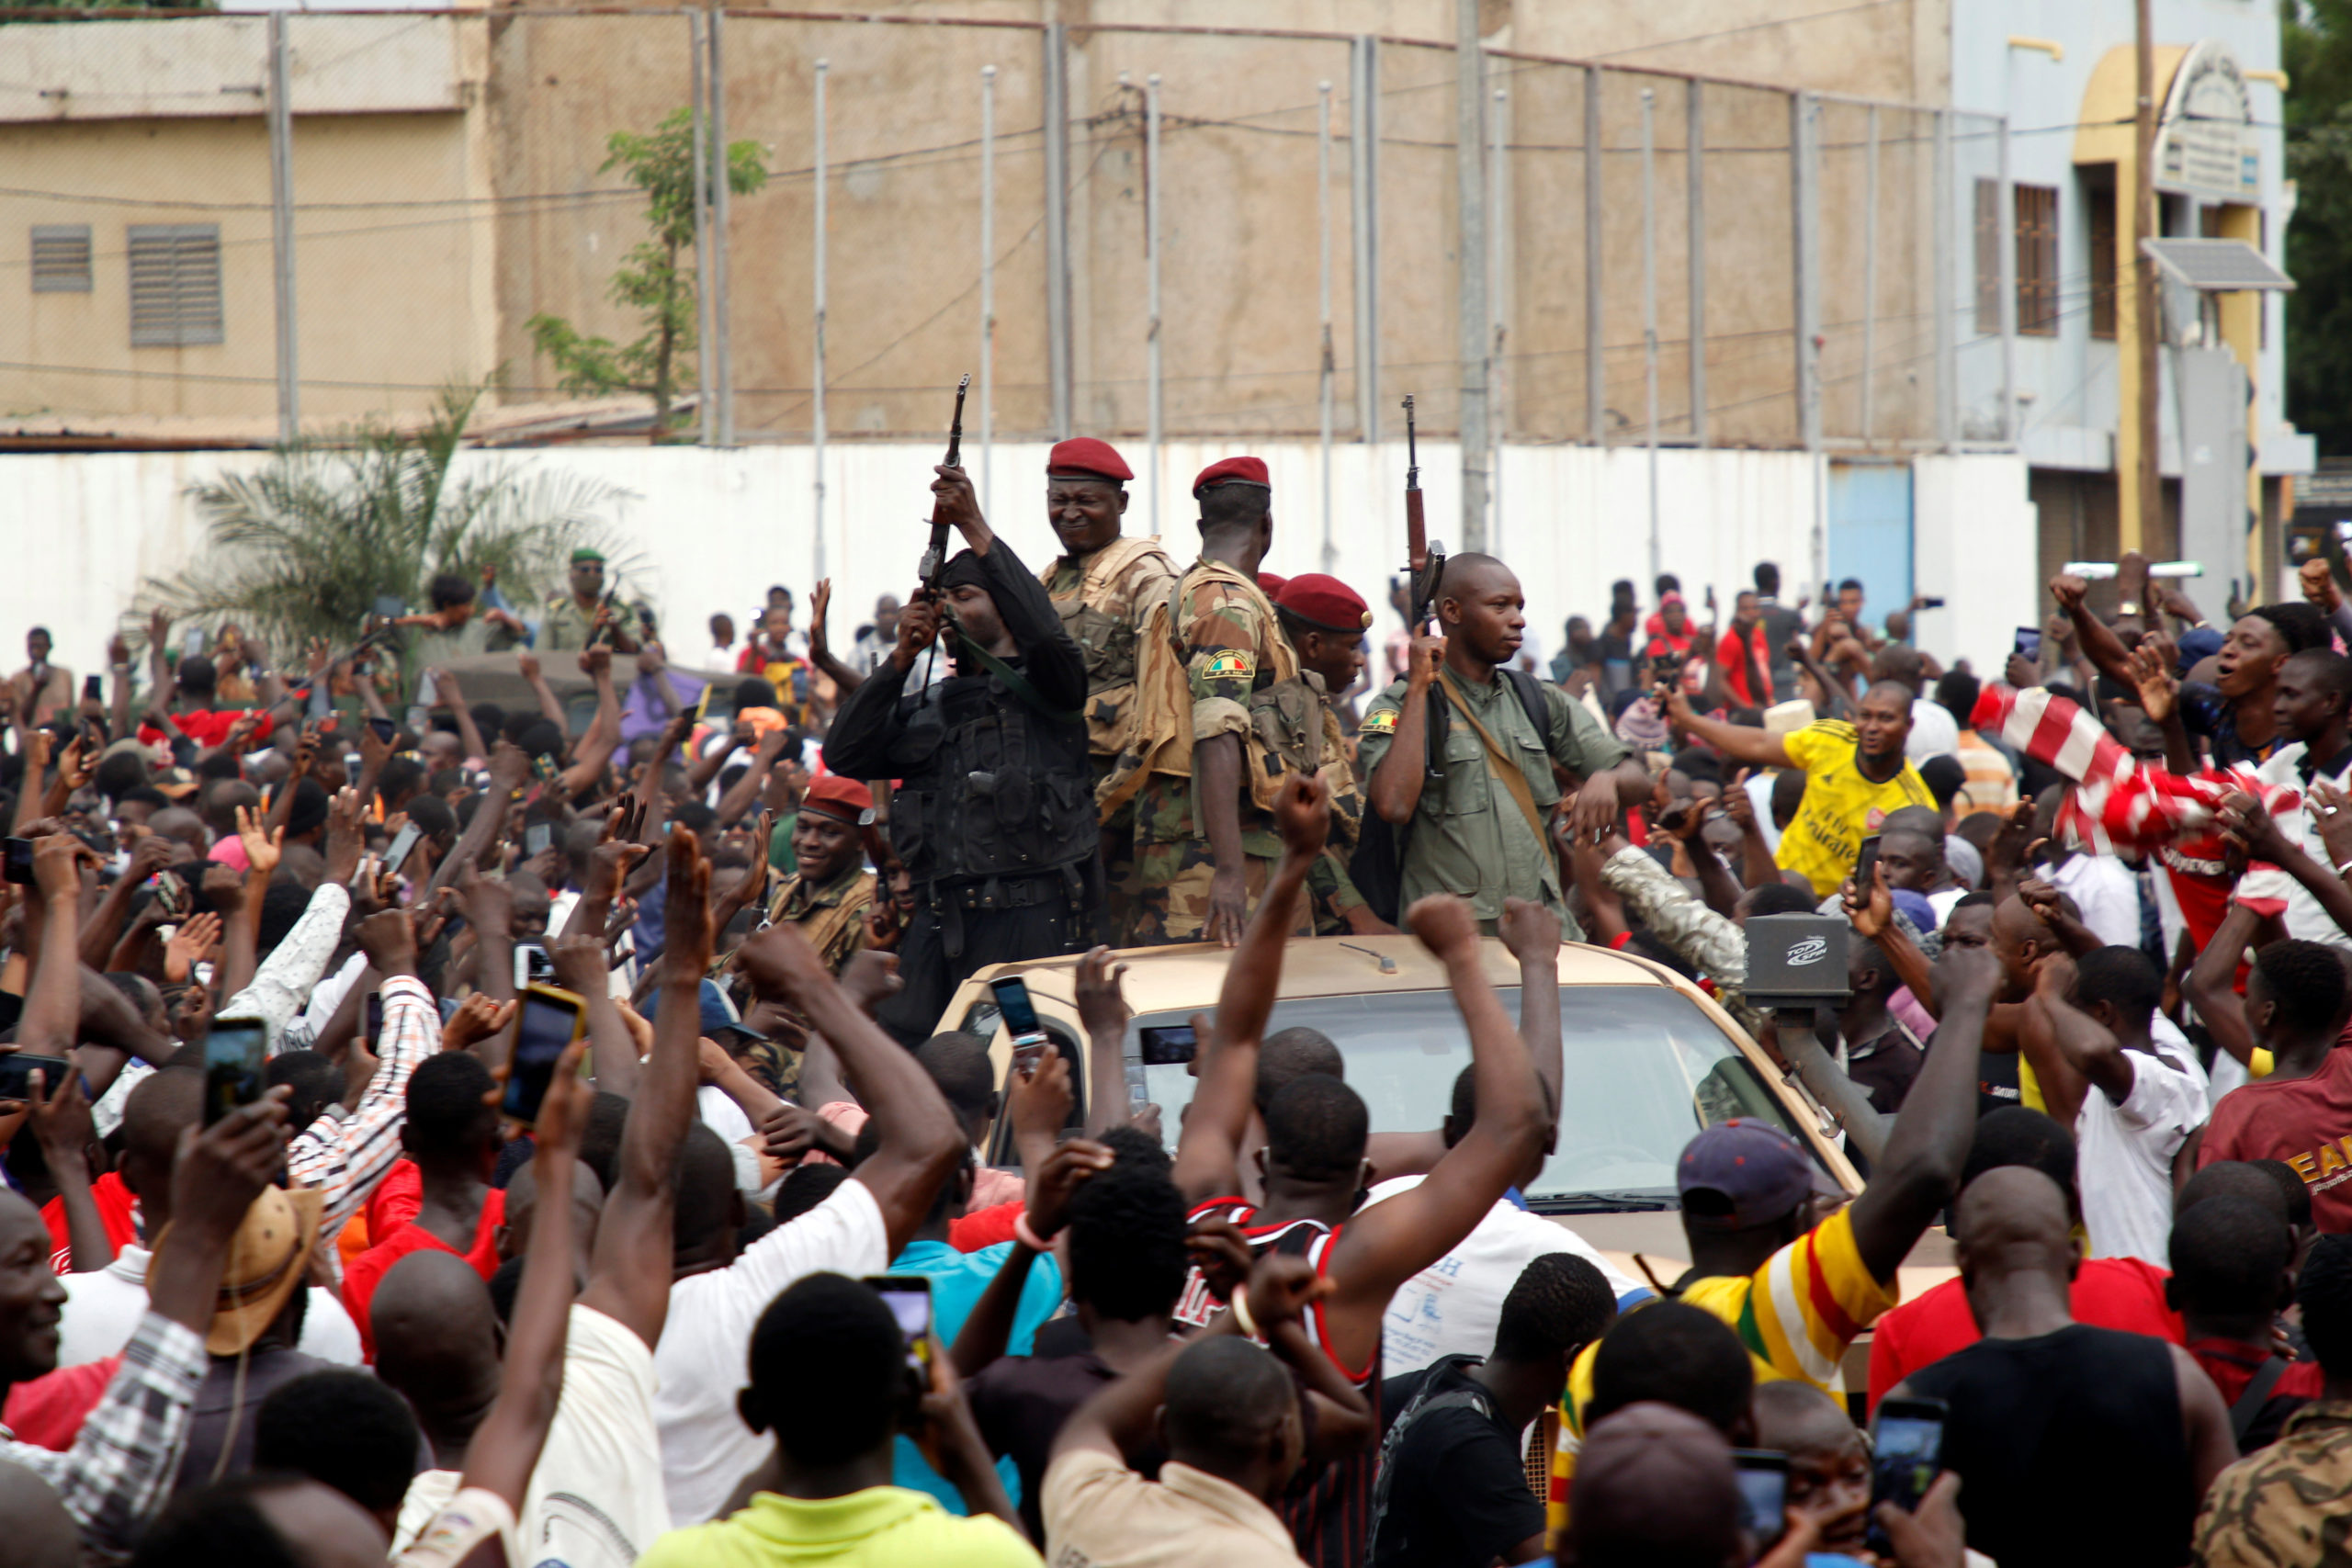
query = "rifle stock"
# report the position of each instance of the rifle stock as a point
(935, 559)
(1423, 561)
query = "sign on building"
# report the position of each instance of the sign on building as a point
(2206, 142)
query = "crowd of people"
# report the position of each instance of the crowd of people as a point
(319, 1247)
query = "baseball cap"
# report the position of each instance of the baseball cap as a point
(1743, 1172)
(717, 1012)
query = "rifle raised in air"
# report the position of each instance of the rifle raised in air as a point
(1423, 561)
(935, 559)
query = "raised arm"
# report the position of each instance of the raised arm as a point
(1756, 748)
(1928, 1146)
(594, 748)
(2099, 644)
(2212, 983)
(447, 693)
(921, 1142)
(509, 766)
(1532, 933)
(526, 664)
(1210, 1145)
(1390, 1242)
(1103, 1008)
(2248, 822)
(629, 1278)
(1395, 787)
(506, 1447)
(2071, 1053)
(52, 1010)
(820, 652)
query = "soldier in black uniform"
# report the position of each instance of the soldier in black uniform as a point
(993, 816)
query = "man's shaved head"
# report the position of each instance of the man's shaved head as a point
(1228, 1404)
(2012, 1220)
(1655, 1488)
(1795, 1417)
(158, 1107)
(523, 1203)
(437, 1336)
(1467, 568)
(40, 1532)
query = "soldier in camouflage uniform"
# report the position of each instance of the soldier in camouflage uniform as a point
(571, 617)
(1103, 586)
(1325, 620)
(829, 897)
(1204, 838)
(1479, 830)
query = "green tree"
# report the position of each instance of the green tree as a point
(650, 279)
(2315, 47)
(306, 545)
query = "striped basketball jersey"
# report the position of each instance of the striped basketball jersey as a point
(1327, 1507)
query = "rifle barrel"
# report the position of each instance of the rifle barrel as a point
(956, 428)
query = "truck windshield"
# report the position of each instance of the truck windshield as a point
(1642, 1070)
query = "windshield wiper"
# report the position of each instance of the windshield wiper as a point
(1652, 1201)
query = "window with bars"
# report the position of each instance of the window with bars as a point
(61, 258)
(2037, 230)
(2035, 215)
(174, 285)
(2098, 207)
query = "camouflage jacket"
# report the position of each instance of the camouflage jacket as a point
(1103, 601)
(1232, 646)
(832, 917)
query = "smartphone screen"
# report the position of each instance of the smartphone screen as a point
(234, 1050)
(375, 1033)
(384, 729)
(92, 689)
(909, 1299)
(1763, 1493)
(402, 843)
(1171, 1046)
(550, 1021)
(16, 1074)
(18, 861)
(1866, 864)
(537, 838)
(171, 894)
(1012, 1000)
(532, 966)
(2029, 643)
(1907, 1444)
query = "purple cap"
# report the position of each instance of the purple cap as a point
(1915, 906)
(1753, 1172)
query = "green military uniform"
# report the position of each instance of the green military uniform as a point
(1469, 835)
(1328, 883)
(1232, 646)
(566, 626)
(832, 917)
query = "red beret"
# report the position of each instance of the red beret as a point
(834, 796)
(1325, 601)
(1272, 584)
(1086, 457)
(1233, 471)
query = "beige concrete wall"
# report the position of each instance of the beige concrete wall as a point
(392, 243)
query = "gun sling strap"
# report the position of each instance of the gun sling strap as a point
(1504, 766)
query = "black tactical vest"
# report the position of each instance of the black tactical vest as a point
(988, 787)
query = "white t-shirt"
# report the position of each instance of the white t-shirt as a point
(1934, 731)
(707, 1344)
(2306, 919)
(2108, 894)
(2124, 1153)
(595, 1499)
(428, 1493)
(1454, 1306)
(103, 1309)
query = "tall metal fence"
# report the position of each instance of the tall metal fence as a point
(1265, 219)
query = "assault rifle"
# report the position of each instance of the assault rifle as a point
(1424, 562)
(935, 559)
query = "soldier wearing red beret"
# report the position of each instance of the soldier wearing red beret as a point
(1201, 768)
(831, 894)
(1326, 621)
(1103, 584)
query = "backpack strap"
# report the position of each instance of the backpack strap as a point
(2256, 1396)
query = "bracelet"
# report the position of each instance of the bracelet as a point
(1240, 1306)
(1026, 1236)
(2346, 869)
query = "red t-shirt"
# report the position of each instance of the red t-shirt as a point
(208, 726)
(1730, 655)
(2305, 1121)
(117, 1208)
(2109, 1293)
(367, 1270)
(2232, 1365)
(47, 1412)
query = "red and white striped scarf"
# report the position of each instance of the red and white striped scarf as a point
(2119, 802)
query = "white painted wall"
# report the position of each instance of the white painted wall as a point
(82, 532)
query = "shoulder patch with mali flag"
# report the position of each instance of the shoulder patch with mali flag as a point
(1233, 662)
(1381, 723)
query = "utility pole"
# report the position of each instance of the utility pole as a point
(2141, 526)
(1470, 186)
(281, 235)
